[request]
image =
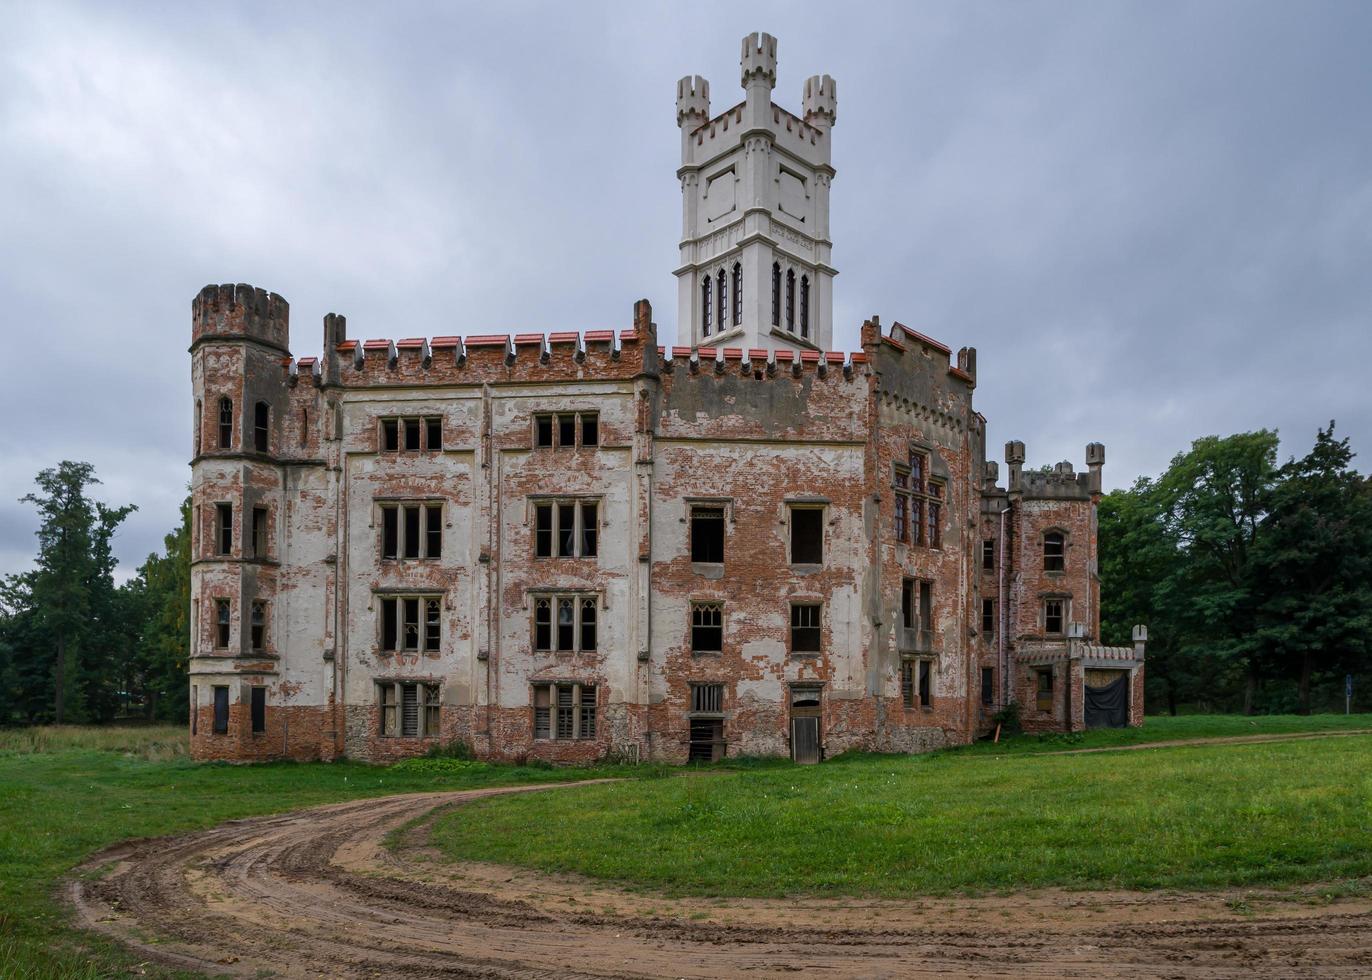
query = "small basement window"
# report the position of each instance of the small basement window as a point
(807, 535)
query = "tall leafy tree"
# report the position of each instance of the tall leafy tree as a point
(162, 589)
(70, 589)
(1313, 565)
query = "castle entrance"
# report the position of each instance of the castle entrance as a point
(805, 716)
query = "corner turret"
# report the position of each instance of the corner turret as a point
(821, 101)
(241, 312)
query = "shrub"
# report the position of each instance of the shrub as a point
(1008, 719)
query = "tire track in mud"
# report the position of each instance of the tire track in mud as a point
(316, 893)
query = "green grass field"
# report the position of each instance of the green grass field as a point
(976, 817)
(1177, 817)
(67, 792)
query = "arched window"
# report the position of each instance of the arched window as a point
(705, 290)
(805, 306)
(723, 300)
(226, 423)
(1054, 552)
(261, 426)
(738, 294)
(791, 300)
(776, 294)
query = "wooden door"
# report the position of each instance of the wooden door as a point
(805, 716)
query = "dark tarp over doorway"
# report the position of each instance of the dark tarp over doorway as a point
(1108, 706)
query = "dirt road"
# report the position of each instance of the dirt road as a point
(317, 894)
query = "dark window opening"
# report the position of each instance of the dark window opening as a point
(433, 531)
(589, 530)
(390, 435)
(588, 624)
(221, 711)
(1044, 695)
(707, 740)
(259, 710)
(791, 300)
(776, 295)
(926, 698)
(433, 434)
(412, 441)
(805, 306)
(723, 296)
(807, 535)
(988, 616)
(543, 624)
(195, 709)
(566, 530)
(907, 604)
(543, 530)
(590, 429)
(225, 423)
(561, 430)
(705, 292)
(738, 294)
(432, 627)
(224, 527)
(221, 623)
(566, 431)
(988, 685)
(707, 534)
(805, 628)
(261, 427)
(390, 627)
(411, 624)
(988, 555)
(1054, 552)
(390, 532)
(935, 507)
(926, 605)
(707, 627)
(411, 525)
(566, 623)
(543, 431)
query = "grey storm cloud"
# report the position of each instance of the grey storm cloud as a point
(1154, 221)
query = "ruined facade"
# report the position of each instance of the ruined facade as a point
(575, 546)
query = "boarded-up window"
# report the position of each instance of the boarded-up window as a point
(259, 710)
(564, 711)
(807, 535)
(221, 711)
(707, 534)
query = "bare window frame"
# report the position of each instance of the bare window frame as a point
(578, 716)
(706, 619)
(393, 428)
(584, 425)
(584, 632)
(585, 538)
(431, 512)
(427, 623)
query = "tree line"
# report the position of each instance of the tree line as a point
(75, 647)
(1255, 580)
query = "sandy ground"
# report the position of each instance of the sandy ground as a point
(317, 894)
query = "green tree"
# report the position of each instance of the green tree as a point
(1313, 564)
(162, 589)
(71, 586)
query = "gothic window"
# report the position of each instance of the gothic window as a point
(705, 291)
(723, 297)
(791, 300)
(707, 627)
(564, 711)
(738, 294)
(805, 306)
(221, 623)
(259, 625)
(776, 294)
(411, 624)
(918, 503)
(565, 623)
(225, 423)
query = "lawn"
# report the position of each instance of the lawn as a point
(65, 793)
(1178, 817)
(1165, 728)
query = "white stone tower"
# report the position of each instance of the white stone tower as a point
(755, 246)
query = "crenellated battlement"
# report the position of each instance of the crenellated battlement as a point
(692, 102)
(1056, 482)
(820, 101)
(758, 61)
(240, 312)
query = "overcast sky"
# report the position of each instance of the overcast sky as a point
(1153, 220)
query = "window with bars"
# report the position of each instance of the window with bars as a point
(566, 528)
(707, 534)
(411, 623)
(258, 624)
(223, 528)
(221, 623)
(707, 627)
(706, 743)
(412, 434)
(261, 427)
(707, 698)
(566, 430)
(564, 711)
(805, 627)
(918, 503)
(411, 531)
(1054, 551)
(226, 423)
(565, 623)
(409, 709)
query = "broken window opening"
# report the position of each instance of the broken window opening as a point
(917, 503)
(261, 426)
(411, 624)
(224, 528)
(722, 291)
(259, 710)
(707, 627)
(738, 294)
(807, 535)
(258, 624)
(926, 695)
(225, 423)
(590, 429)
(564, 712)
(543, 431)
(573, 525)
(805, 306)
(390, 435)
(259, 532)
(417, 434)
(1054, 614)
(412, 439)
(412, 531)
(1044, 690)
(221, 623)
(705, 292)
(988, 685)
(566, 430)
(805, 628)
(707, 535)
(776, 294)
(433, 434)
(566, 623)
(1054, 552)
(988, 616)
(791, 300)
(988, 555)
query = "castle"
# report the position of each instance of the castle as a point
(578, 546)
